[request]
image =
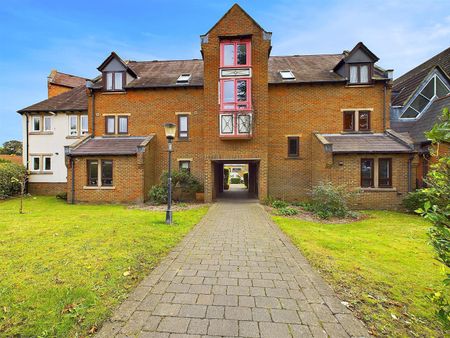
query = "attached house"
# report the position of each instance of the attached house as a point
(418, 98)
(50, 125)
(293, 120)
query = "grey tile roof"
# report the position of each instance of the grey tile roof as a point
(407, 84)
(108, 146)
(73, 100)
(365, 143)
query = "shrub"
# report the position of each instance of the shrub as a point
(287, 211)
(158, 194)
(414, 200)
(278, 204)
(183, 179)
(11, 175)
(246, 180)
(62, 196)
(328, 200)
(226, 177)
(235, 180)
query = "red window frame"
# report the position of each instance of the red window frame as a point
(235, 103)
(235, 43)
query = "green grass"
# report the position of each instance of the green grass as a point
(62, 266)
(383, 266)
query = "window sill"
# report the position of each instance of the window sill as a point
(40, 133)
(357, 132)
(41, 172)
(378, 189)
(359, 85)
(88, 187)
(293, 158)
(183, 140)
(113, 92)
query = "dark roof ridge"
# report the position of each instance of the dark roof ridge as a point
(300, 55)
(176, 60)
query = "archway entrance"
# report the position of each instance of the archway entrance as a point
(236, 179)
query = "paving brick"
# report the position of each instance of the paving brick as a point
(193, 311)
(227, 300)
(223, 327)
(174, 325)
(300, 331)
(248, 329)
(268, 302)
(237, 312)
(285, 316)
(198, 326)
(261, 315)
(271, 330)
(185, 298)
(238, 290)
(214, 311)
(247, 301)
(167, 309)
(151, 323)
(205, 299)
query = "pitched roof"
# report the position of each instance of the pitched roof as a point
(407, 84)
(426, 121)
(66, 80)
(73, 100)
(364, 143)
(109, 146)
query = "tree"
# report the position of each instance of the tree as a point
(12, 147)
(437, 209)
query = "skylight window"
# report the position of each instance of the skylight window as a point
(287, 75)
(184, 78)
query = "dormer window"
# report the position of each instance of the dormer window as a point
(184, 78)
(287, 75)
(114, 80)
(234, 53)
(359, 73)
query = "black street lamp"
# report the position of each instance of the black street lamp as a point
(170, 130)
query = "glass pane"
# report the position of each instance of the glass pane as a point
(118, 81)
(409, 113)
(226, 124)
(428, 91)
(107, 173)
(349, 120)
(47, 163)
(364, 120)
(36, 163)
(293, 146)
(185, 165)
(228, 55)
(228, 91)
(441, 90)
(242, 54)
(419, 103)
(353, 74)
(242, 90)
(36, 123)
(47, 123)
(110, 128)
(73, 121)
(92, 172)
(244, 124)
(384, 172)
(109, 81)
(183, 123)
(366, 173)
(364, 74)
(84, 123)
(123, 125)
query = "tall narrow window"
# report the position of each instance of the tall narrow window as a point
(107, 173)
(235, 94)
(73, 125)
(84, 124)
(367, 172)
(183, 127)
(359, 73)
(36, 123)
(293, 146)
(47, 163)
(118, 81)
(36, 163)
(185, 166)
(110, 125)
(123, 124)
(349, 120)
(353, 74)
(47, 123)
(384, 172)
(364, 120)
(114, 80)
(109, 81)
(92, 172)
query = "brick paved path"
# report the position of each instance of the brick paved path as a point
(235, 274)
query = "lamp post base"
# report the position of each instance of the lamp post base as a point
(168, 216)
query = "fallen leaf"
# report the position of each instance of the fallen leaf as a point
(93, 329)
(127, 273)
(394, 316)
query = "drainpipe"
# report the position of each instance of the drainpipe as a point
(93, 113)
(72, 166)
(384, 106)
(27, 148)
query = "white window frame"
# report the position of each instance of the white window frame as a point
(32, 123)
(76, 130)
(184, 78)
(32, 163)
(43, 163)
(287, 75)
(84, 131)
(47, 118)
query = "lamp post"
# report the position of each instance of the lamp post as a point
(170, 130)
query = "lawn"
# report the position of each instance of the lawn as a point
(382, 265)
(64, 268)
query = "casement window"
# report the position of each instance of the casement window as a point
(293, 146)
(35, 163)
(102, 169)
(185, 166)
(41, 163)
(359, 73)
(287, 75)
(122, 122)
(84, 124)
(435, 88)
(235, 124)
(235, 94)
(47, 163)
(356, 120)
(110, 125)
(184, 78)
(47, 123)
(367, 172)
(36, 123)
(114, 80)
(183, 127)
(73, 125)
(235, 53)
(385, 173)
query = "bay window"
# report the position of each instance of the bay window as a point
(235, 94)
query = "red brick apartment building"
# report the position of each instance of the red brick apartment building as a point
(295, 120)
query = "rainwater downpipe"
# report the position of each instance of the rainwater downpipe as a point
(72, 167)
(93, 112)
(384, 107)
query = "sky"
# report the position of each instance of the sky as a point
(76, 36)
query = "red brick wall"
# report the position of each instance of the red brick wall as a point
(46, 189)
(54, 89)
